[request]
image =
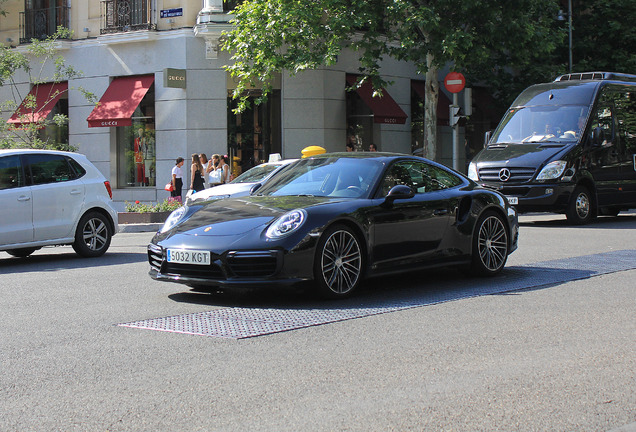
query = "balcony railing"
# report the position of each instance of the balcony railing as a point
(42, 23)
(125, 15)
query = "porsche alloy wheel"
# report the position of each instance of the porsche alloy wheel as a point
(490, 245)
(338, 267)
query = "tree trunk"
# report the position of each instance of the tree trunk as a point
(430, 110)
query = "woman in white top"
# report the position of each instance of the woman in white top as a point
(206, 174)
(177, 179)
(225, 169)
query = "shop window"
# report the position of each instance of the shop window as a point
(359, 123)
(255, 133)
(136, 147)
(417, 122)
(54, 134)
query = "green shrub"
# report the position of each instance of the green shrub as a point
(166, 205)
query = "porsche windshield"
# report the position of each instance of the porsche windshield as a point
(561, 124)
(327, 177)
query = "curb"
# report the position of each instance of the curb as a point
(138, 228)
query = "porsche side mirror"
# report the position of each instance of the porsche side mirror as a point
(255, 187)
(399, 192)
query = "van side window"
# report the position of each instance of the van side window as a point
(625, 104)
(603, 118)
(10, 172)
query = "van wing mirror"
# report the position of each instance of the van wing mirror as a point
(487, 138)
(598, 136)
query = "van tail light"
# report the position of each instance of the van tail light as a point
(110, 191)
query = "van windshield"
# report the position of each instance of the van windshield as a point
(560, 123)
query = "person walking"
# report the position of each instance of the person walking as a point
(177, 179)
(196, 170)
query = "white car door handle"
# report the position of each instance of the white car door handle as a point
(76, 192)
(24, 198)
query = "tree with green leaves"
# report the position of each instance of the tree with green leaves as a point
(33, 63)
(603, 35)
(487, 40)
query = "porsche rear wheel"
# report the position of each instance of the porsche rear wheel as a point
(490, 245)
(339, 262)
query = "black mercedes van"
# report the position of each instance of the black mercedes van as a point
(568, 146)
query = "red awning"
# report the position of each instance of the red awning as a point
(385, 109)
(442, 101)
(46, 96)
(120, 101)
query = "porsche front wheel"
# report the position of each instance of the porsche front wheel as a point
(338, 264)
(490, 245)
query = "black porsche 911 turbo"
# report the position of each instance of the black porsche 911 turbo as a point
(336, 219)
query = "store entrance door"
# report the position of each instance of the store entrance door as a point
(255, 133)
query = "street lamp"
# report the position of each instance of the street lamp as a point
(562, 18)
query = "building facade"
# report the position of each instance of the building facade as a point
(158, 72)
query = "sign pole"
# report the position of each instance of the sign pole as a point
(454, 83)
(456, 137)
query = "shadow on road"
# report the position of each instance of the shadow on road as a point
(412, 289)
(622, 221)
(48, 262)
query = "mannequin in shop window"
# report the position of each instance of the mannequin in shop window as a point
(140, 150)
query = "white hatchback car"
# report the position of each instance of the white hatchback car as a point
(244, 184)
(52, 198)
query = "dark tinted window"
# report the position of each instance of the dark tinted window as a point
(419, 176)
(10, 172)
(48, 168)
(77, 168)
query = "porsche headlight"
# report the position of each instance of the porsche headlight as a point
(173, 219)
(552, 171)
(472, 172)
(286, 224)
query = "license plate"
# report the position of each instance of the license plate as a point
(513, 200)
(184, 256)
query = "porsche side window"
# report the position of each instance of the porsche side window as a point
(398, 174)
(419, 176)
(10, 172)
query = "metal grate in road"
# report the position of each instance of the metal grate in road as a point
(239, 323)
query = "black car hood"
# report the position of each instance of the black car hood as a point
(234, 216)
(519, 155)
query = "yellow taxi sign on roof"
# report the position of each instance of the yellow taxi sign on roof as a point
(313, 151)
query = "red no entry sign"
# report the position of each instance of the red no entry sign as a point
(454, 82)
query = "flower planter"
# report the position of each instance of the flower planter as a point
(137, 218)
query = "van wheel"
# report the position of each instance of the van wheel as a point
(581, 209)
(93, 236)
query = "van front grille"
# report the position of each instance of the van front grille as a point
(497, 174)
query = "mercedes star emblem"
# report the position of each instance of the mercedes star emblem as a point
(504, 174)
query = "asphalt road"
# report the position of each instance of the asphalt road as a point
(551, 357)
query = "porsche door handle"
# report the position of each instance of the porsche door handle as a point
(440, 212)
(24, 198)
